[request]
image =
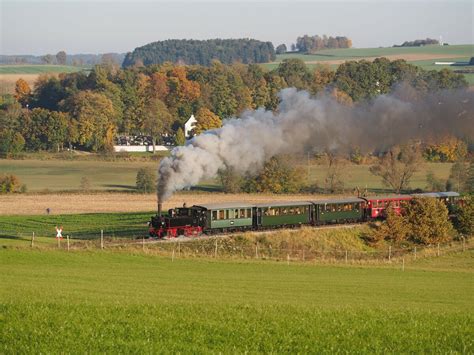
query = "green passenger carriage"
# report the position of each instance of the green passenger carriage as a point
(228, 216)
(338, 210)
(282, 214)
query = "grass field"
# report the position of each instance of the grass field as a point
(38, 69)
(57, 175)
(90, 302)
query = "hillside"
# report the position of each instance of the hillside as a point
(425, 57)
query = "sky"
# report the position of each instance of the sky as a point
(101, 26)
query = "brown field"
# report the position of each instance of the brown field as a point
(410, 57)
(7, 81)
(31, 204)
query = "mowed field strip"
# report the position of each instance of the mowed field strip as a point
(90, 302)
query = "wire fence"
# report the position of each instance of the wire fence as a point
(241, 248)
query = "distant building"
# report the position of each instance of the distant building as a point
(189, 126)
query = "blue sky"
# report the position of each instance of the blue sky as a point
(39, 26)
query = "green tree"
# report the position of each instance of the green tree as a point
(9, 183)
(146, 180)
(295, 73)
(180, 139)
(470, 178)
(428, 221)
(61, 58)
(458, 176)
(11, 142)
(280, 49)
(157, 119)
(394, 229)
(230, 180)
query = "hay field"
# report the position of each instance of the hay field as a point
(32, 204)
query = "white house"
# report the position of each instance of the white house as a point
(189, 126)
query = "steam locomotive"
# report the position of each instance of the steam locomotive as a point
(230, 217)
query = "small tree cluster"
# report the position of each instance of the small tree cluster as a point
(424, 221)
(10, 183)
(465, 217)
(146, 180)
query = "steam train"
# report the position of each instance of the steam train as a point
(230, 217)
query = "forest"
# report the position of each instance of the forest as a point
(201, 52)
(89, 110)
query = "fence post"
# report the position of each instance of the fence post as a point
(438, 250)
(179, 248)
(172, 255)
(143, 243)
(256, 250)
(303, 255)
(390, 253)
(101, 239)
(403, 264)
(346, 256)
(463, 246)
(415, 253)
(59, 242)
(33, 240)
(67, 237)
(288, 259)
(215, 250)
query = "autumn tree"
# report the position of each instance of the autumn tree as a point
(94, 113)
(61, 58)
(394, 229)
(230, 180)
(9, 183)
(206, 120)
(323, 75)
(465, 217)
(44, 129)
(470, 178)
(335, 170)
(157, 119)
(397, 166)
(277, 176)
(22, 91)
(428, 220)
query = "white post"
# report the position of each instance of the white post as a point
(415, 253)
(67, 237)
(59, 242)
(179, 248)
(389, 253)
(101, 239)
(256, 250)
(288, 259)
(346, 256)
(215, 250)
(438, 250)
(403, 264)
(33, 240)
(172, 255)
(143, 243)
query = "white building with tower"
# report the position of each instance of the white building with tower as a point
(189, 126)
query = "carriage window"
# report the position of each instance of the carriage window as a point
(249, 212)
(221, 214)
(298, 210)
(214, 215)
(242, 213)
(227, 215)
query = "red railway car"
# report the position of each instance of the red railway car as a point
(376, 206)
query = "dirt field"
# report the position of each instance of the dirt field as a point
(409, 57)
(31, 204)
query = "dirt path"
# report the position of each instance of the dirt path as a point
(31, 204)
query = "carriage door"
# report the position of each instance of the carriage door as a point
(257, 216)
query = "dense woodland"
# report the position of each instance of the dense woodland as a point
(312, 44)
(89, 110)
(188, 51)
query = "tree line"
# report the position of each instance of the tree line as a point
(418, 43)
(311, 44)
(88, 110)
(203, 52)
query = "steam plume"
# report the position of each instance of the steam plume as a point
(304, 123)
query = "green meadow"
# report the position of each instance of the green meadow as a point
(125, 302)
(38, 69)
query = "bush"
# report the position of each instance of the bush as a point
(10, 183)
(146, 180)
(465, 218)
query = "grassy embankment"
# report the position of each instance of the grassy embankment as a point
(53, 301)
(421, 56)
(64, 175)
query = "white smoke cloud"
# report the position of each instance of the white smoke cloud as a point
(304, 122)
